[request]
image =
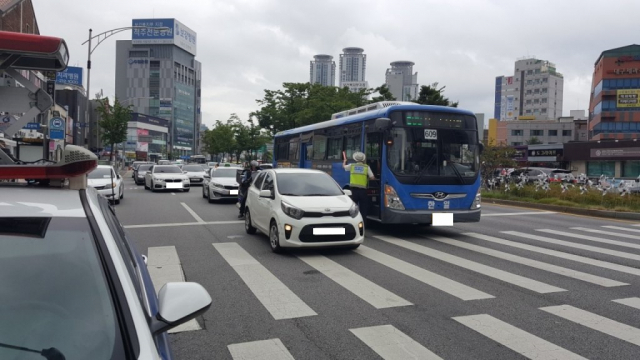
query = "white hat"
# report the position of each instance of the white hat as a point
(359, 156)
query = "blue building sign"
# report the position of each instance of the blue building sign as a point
(72, 75)
(32, 126)
(174, 33)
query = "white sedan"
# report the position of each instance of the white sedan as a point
(220, 184)
(108, 184)
(302, 208)
(166, 177)
(195, 173)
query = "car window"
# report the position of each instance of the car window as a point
(144, 167)
(224, 173)
(307, 184)
(259, 180)
(268, 183)
(167, 169)
(193, 168)
(54, 289)
(101, 173)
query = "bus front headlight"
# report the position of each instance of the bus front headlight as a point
(391, 198)
(477, 202)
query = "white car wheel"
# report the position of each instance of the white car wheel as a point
(274, 237)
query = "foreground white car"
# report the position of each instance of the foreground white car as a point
(108, 184)
(302, 208)
(166, 177)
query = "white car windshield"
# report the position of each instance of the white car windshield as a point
(169, 169)
(193, 168)
(224, 173)
(101, 173)
(307, 184)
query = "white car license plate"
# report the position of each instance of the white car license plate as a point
(328, 231)
(233, 192)
(442, 219)
(174, 185)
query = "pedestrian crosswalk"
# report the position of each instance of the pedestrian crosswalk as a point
(562, 261)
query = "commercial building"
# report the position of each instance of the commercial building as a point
(614, 107)
(353, 68)
(535, 89)
(527, 129)
(401, 80)
(146, 137)
(322, 70)
(157, 73)
(612, 158)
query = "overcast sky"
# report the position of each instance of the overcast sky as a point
(246, 46)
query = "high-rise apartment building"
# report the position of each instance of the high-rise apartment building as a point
(157, 73)
(323, 70)
(614, 108)
(353, 67)
(401, 80)
(533, 92)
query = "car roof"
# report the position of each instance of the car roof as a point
(295, 171)
(28, 201)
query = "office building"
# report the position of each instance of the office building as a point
(157, 73)
(534, 90)
(401, 80)
(614, 107)
(522, 132)
(322, 70)
(353, 68)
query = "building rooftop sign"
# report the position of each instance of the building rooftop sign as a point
(176, 33)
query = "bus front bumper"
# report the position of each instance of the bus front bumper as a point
(392, 216)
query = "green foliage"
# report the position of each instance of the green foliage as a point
(431, 95)
(495, 157)
(234, 137)
(113, 122)
(533, 141)
(384, 94)
(572, 198)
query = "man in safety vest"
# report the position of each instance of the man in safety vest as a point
(360, 174)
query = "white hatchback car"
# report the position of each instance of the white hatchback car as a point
(302, 208)
(107, 182)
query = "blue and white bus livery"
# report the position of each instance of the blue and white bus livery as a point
(425, 159)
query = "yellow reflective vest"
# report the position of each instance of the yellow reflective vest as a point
(359, 175)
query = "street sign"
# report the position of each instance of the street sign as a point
(56, 128)
(32, 126)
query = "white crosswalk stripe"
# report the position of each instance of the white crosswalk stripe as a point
(275, 296)
(633, 302)
(164, 266)
(518, 340)
(392, 344)
(590, 238)
(621, 228)
(575, 245)
(489, 271)
(375, 295)
(272, 349)
(594, 279)
(559, 254)
(439, 282)
(596, 322)
(610, 233)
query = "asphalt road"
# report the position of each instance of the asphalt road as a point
(520, 284)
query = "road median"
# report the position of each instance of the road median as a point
(621, 215)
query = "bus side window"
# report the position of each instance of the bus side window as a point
(352, 144)
(334, 151)
(319, 147)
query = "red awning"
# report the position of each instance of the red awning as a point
(32, 52)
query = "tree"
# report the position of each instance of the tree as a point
(431, 95)
(113, 123)
(384, 94)
(494, 157)
(533, 141)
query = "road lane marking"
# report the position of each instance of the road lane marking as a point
(521, 213)
(621, 228)
(489, 271)
(164, 266)
(575, 245)
(559, 254)
(439, 282)
(633, 302)
(193, 213)
(392, 344)
(183, 224)
(275, 296)
(610, 233)
(516, 339)
(173, 193)
(590, 238)
(272, 349)
(375, 295)
(594, 279)
(596, 322)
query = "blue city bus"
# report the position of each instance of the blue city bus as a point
(425, 159)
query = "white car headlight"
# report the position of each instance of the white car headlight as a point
(156, 179)
(354, 210)
(183, 180)
(291, 210)
(391, 198)
(216, 185)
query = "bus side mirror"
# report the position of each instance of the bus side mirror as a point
(382, 124)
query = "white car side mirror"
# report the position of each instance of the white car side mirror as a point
(179, 302)
(266, 194)
(347, 192)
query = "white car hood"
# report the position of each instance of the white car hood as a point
(100, 182)
(195, 173)
(320, 203)
(169, 176)
(224, 181)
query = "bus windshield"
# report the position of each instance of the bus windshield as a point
(433, 146)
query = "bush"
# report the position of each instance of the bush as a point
(593, 199)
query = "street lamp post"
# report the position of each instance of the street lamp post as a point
(100, 38)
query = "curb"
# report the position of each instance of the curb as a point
(566, 209)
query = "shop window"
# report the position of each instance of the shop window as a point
(566, 132)
(537, 132)
(597, 168)
(553, 132)
(517, 132)
(631, 169)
